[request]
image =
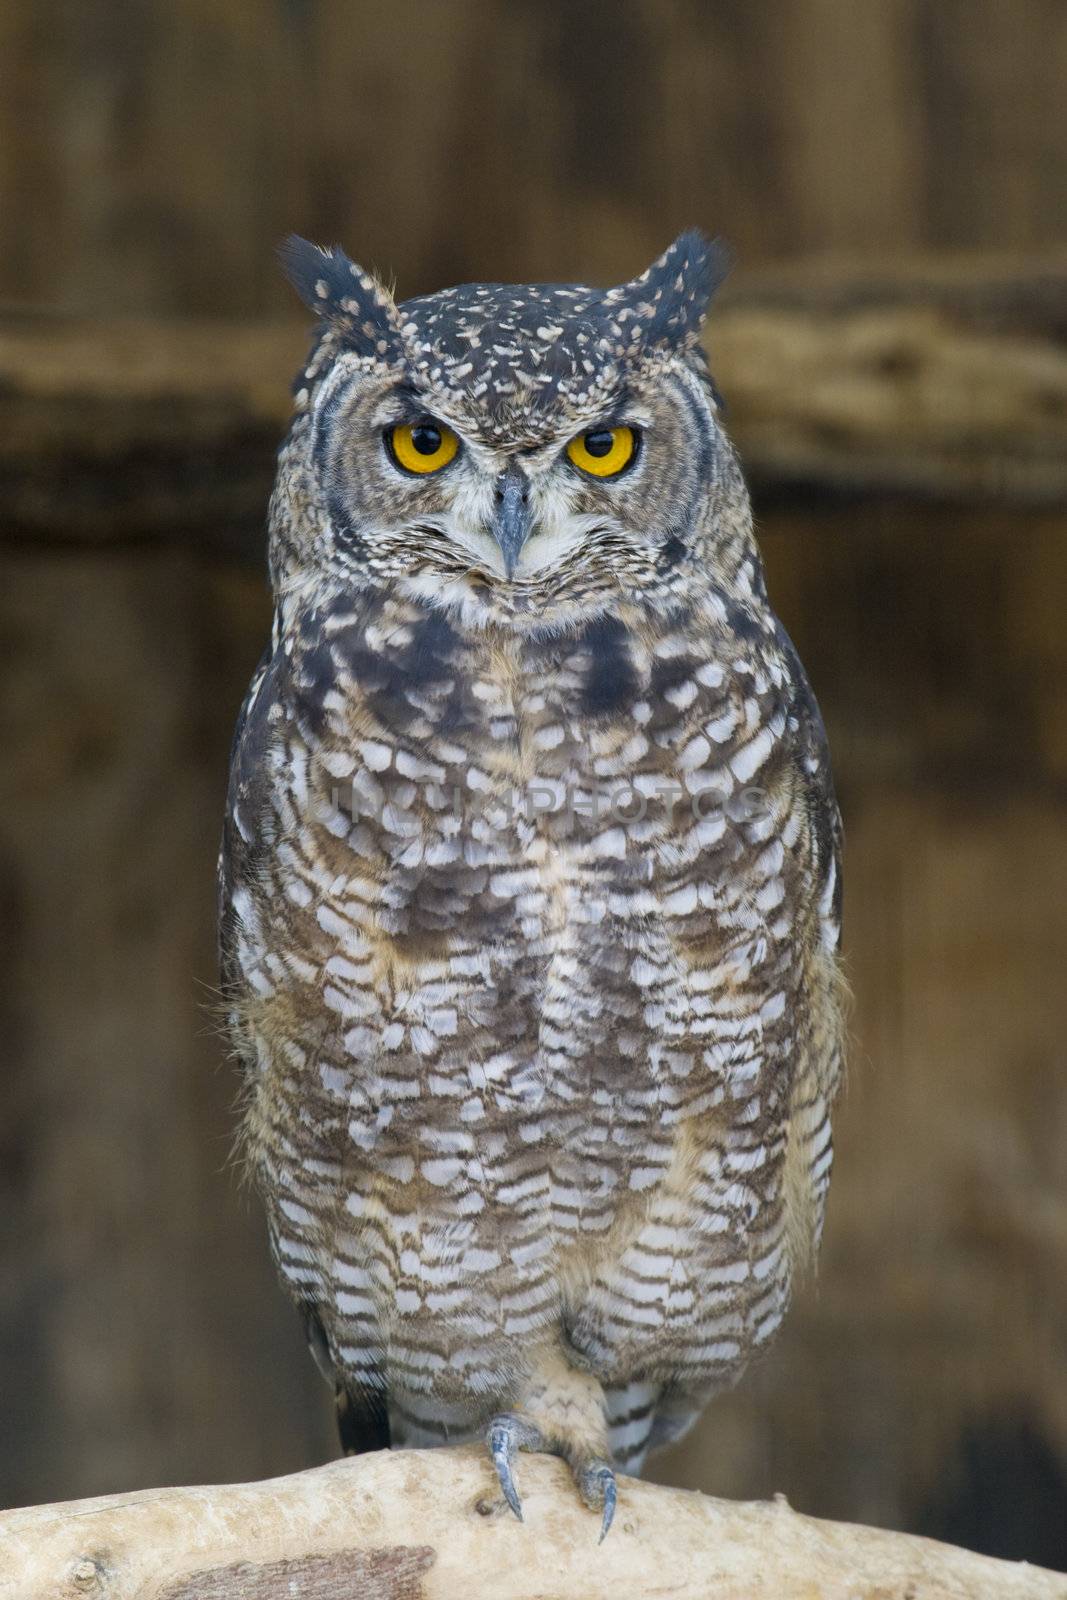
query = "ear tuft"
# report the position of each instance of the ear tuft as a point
(669, 300)
(347, 299)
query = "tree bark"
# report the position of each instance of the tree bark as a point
(428, 1525)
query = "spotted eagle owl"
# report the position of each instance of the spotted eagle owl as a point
(530, 877)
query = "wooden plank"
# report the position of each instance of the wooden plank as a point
(989, 78)
(854, 159)
(151, 158)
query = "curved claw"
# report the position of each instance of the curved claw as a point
(596, 1484)
(611, 1495)
(505, 1436)
(503, 1455)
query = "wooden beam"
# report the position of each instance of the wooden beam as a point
(943, 381)
(946, 383)
(122, 432)
(427, 1525)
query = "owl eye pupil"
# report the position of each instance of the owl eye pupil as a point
(600, 442)
(426, 439)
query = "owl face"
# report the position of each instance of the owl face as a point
(502, 447)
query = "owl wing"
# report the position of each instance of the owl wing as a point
(820, 1033)
(247, 784)
(362, 1420)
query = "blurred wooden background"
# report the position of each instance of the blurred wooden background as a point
(150, 158)
(152, 155)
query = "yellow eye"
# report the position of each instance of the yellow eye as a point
(603, 452)
(422, 446)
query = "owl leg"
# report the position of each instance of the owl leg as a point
(561, 1413)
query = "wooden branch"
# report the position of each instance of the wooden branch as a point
(945, 383)
(426, 1525)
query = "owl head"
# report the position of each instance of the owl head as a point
(504, 450)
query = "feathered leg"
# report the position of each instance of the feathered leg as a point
(560, 1412)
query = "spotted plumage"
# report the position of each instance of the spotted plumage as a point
(530, 879)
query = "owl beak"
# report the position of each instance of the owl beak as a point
(513, 518)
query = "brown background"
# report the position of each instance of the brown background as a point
(151, 156)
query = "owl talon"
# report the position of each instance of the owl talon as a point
(506, 1436)
(597, 1487)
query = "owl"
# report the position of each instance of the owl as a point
(530, 882)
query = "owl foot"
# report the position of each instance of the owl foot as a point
(594, 1476)
(596, 1485)
(506, 1436)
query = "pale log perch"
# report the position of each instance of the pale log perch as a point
(426, 1525)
